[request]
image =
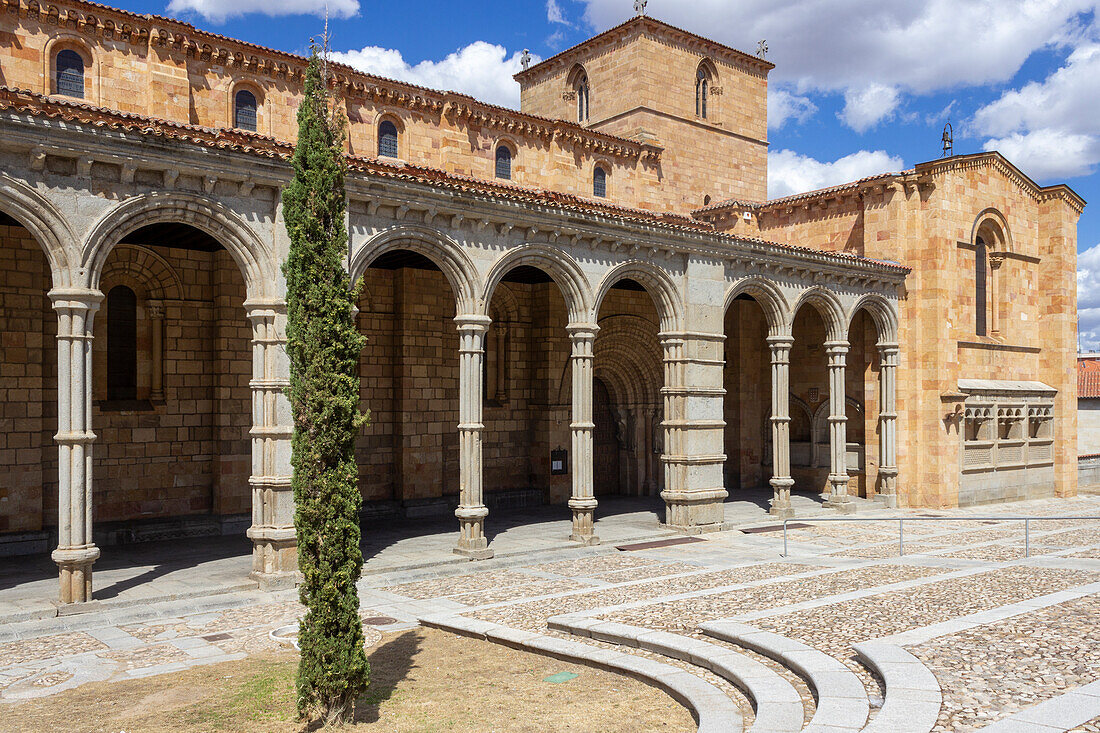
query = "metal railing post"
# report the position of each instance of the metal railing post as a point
(784, 538)
(1027, 538)
(901, 538)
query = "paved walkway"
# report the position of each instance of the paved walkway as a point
(961, 633)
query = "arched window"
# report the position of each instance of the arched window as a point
(599, 182)
(702, 91)
(981, 289)
(121, 344)
(70, 74)
(582, 99)
(244, 110)
(387, 139)
(504, 162)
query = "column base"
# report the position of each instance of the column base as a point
(74, 566)
(695, 512)
(274, 557)
(890, 501)
(471, 541)
(781, 498)
(843, 504)
(584, 521)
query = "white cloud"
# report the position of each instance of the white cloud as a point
(916, 46)
(482, 70)
(790, 173)
(867, 107)
(554, 13)
(783, 107)
(1049, 128)
(218, 10)
(1088, 297)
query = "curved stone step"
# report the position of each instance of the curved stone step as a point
(841, 699)
(913, 696)
(778, 704)
(713, 709)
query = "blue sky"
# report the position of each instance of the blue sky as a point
(860, 86)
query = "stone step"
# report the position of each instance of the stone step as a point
(778, 705)
(714, 711)
(842, 703)
(913, 696)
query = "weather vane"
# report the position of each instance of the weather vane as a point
(762, 48)
(948, 140)
(639, 6)
(525, 59)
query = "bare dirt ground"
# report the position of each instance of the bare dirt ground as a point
(421, 680)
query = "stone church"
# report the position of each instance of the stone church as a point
(591, 296)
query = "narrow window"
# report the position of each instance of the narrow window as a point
(70, 74)
(121, 344)
(702, 89)
(599, 182)
(387, 139)
(504, 162)
(582, 98)
(981, 305)
(244, 111)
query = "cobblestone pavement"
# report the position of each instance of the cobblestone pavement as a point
(999, 631)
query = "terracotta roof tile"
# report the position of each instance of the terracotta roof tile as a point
(1088, 378)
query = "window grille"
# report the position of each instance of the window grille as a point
(121, 344)
(70, 74)
(980, 288)
(244, 117)
(599, 182)
(702, 90)
(504, 163)
(387, 139)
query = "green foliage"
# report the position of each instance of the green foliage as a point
(324, 347)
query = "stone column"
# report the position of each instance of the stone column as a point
(471, 511)
(583, 500)
(781, 480)
(693, 432)
(887, 491)
(274, 542)
(996, 259)
(838, 498)
(76, 551)
(156, 319)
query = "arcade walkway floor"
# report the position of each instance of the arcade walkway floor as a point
(842, 632)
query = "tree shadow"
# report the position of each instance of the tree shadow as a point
(389, 665)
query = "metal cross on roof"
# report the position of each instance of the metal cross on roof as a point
(525, 59)
(639, 6)
(762, 48)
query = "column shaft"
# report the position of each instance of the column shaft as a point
(781, 480)
(156, 317)
(888, 418)
(274, 541)
(583, 500)
(838, 498)
(471, 511)
(76, 551)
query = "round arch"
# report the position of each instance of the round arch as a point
(657, 283)
(445, 253)
(881, 312)
(143, 266)
(828, 306)
(562, 269)
(768, 296)
(627, 349)
(250, 254)
(42, 219)
(992, 219)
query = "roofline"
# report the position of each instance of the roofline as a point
(345, 74)
(928, 168)
(36, 105)
(642, 20)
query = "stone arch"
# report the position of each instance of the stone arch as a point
(562, 268)
(768, 296)
(145, 268)
(994, 223)
(657, 283)
(881, 312)
(627, 350)
(506, 303)
(72, 42)
(43, 220)
(445, 253)
(828, 306)
(242, 243)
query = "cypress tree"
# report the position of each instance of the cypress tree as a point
(324, 347)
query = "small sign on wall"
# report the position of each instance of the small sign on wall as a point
(559, 462)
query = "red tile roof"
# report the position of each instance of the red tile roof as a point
(1088, 378)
